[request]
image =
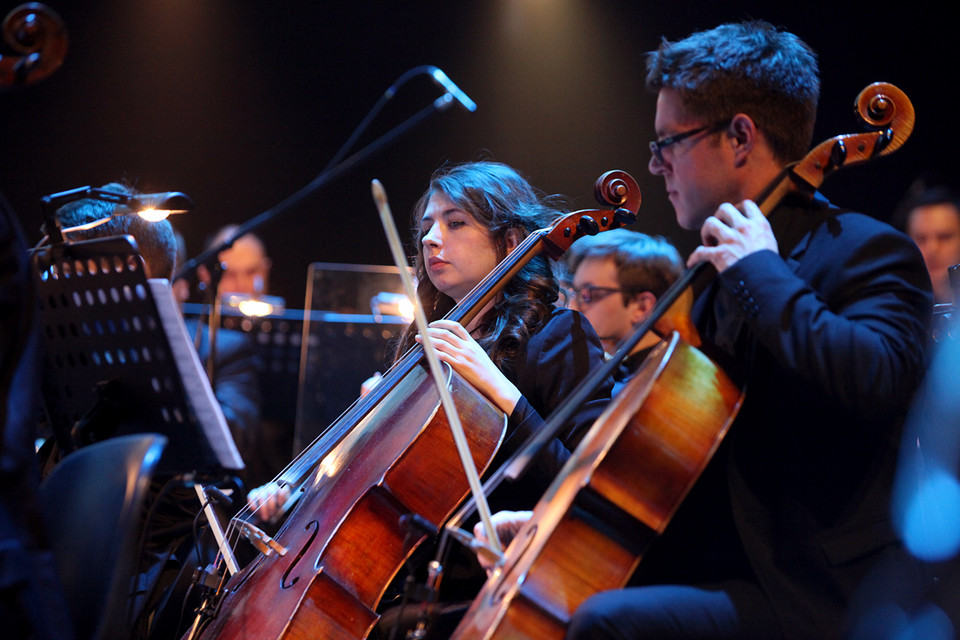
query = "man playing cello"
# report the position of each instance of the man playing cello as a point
(822, 314)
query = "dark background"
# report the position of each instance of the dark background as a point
(240, 104)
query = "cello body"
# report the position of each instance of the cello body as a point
(615, 495)
(342, 539)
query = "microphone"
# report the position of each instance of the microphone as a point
(447, 85)
(414, 522)
(216, 495)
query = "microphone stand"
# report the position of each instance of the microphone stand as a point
(323, 179)
(334, 170)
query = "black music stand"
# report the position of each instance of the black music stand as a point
(117, 359)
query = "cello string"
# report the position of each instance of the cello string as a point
(453, 419)
(295, 473)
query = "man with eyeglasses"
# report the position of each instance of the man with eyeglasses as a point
(822, 314)
(615, 280)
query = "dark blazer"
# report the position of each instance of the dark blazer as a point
(560, 354)
(829, 339)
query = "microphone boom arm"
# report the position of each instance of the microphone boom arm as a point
(209, 256)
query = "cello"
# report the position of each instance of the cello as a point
(388, 460)
(606, 506)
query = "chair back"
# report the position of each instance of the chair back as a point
(94, 501)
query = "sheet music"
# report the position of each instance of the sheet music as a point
(195, 382)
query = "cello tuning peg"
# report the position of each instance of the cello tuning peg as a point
(622, 217)
(883, 140)
(588, 226)
(838, 154)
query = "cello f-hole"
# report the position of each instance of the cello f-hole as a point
(285, 583)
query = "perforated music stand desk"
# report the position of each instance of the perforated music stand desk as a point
(117, 359)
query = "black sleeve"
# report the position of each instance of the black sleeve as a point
(858, 336)
(237, 383)
(560, 356)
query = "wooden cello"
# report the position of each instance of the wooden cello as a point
(635, 466)
(388, 459)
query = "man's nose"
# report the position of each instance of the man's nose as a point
(654, 166)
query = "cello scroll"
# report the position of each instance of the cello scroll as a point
(38, 33)
(616, 188)
(882, 107)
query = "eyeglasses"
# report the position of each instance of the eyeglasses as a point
(590, 294)
(657, 146)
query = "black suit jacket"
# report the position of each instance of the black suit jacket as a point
(560, 355)
(829, 339)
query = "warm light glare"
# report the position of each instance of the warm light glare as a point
(328, 467)
(255, 308)
(386, 303)
(150, 215)
(405, 307)
(154, 215)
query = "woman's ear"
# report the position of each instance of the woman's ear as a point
(513, 239)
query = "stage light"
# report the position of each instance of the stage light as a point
(254, 306)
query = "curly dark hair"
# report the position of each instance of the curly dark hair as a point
(747, 67)
(499, 198)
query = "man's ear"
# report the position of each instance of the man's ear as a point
(742, 134)
(641, 304)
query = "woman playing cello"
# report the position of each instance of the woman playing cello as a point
(521, 351)
(524, 352)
